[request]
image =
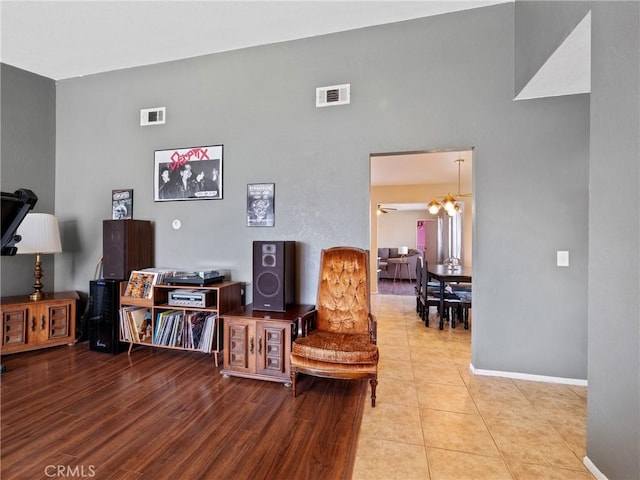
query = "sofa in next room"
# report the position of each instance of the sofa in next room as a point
(389, 257)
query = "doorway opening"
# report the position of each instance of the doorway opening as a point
(402, 185)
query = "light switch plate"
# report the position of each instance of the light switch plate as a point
(563, 258)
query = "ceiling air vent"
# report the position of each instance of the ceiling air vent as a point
(153, 116)
(333, 95)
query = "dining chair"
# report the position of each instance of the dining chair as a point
(429, 294)
(424, 290)
(418, 287)
(464, 292)
(430, 297)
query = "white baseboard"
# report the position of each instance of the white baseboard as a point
(527, 376)
(593, 469)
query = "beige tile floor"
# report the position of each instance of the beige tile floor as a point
(435, 420)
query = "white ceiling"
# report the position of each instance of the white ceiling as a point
(65, 39)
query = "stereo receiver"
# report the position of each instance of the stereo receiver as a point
(191, 298)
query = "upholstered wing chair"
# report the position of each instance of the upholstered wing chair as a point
(341, 343)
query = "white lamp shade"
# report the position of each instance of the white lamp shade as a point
(403, 250)
(40, 234)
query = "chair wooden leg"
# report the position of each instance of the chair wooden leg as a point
(374, 384)
(294, 376)
(456, 312)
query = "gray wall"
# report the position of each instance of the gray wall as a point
(27, 160)
(614, 232)
(425, 84)
(614, 240)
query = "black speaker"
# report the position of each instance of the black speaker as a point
(104, 316)
(274, 267)
(126, 245)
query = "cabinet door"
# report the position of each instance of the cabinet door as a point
(15, 324)
(273, 349)
(29, 325)
(54, 323)
(239, 353)
(32, 314)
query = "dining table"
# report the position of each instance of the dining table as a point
(447, 274)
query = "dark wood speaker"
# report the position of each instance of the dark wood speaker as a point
(274, 268)
(126, 245)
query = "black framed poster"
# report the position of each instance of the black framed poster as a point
(121, 204)
(261, 204)
(193, 173)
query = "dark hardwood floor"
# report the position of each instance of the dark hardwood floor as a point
(168, 414)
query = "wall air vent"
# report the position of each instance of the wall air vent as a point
(333, 95)
(153, 116)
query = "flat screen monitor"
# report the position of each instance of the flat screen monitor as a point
(15, 207)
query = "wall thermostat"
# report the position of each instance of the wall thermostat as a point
(176, 224)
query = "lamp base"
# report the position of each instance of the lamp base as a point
(37, 283)
(36, 296)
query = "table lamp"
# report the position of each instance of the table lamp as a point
(39, 234)
(402, 251)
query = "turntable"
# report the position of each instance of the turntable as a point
(202, 278)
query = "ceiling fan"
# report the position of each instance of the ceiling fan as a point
(382, 209)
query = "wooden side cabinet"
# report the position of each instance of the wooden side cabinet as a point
(257, 344)
(29, 325)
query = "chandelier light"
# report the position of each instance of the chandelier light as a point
(434, 206)
(449, 202)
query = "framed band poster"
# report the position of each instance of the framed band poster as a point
(261, 204)
(122, 204)
(193, 173)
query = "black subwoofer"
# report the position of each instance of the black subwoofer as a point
(104, 320)
(274, 267)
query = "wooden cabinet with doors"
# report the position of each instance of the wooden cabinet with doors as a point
(257, 344)
(30, 325)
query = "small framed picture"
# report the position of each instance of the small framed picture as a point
(121, 204)
(261, 204)
(193, 173)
